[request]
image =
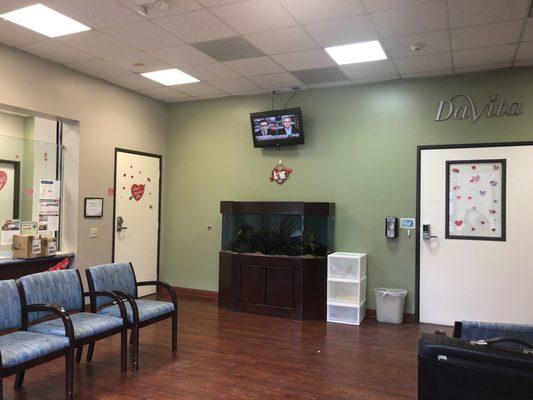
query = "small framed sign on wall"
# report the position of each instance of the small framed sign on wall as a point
(94, 207)
(475, 199)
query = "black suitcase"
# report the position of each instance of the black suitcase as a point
(456, 369)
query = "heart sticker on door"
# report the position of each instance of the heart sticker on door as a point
(3, 179)
(137, 191)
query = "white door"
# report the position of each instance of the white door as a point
(477, 280)
(7, 190)
(136, 227)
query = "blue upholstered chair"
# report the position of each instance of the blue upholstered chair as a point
(120, 278)
(472, 330)
(65, 288)
(21, 350)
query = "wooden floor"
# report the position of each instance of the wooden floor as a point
(225, 355)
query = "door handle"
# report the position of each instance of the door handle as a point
(120, 226)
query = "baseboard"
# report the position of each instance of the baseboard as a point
(198, 293)
(407, 317)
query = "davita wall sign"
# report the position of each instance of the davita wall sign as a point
(463, 107)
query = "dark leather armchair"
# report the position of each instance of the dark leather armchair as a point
(483, 362)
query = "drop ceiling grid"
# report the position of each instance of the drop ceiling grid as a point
(394, 17)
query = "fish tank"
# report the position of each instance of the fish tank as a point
(294, 229)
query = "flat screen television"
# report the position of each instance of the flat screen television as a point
(277, 128)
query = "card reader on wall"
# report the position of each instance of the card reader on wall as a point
(391, 227)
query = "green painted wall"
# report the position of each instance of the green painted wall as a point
(360, 153)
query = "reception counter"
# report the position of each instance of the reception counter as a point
(12, 268)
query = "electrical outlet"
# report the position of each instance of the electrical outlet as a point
(93, 233)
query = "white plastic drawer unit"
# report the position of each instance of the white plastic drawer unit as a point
(346, 314)
(347, 265)
(347, 291)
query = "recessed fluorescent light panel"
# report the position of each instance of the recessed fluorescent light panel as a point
(357, 52)
(44, 20)
(170, 77)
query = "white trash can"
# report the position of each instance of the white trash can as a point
(390, 305)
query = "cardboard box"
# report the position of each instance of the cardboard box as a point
(26, 246)
(48, 246)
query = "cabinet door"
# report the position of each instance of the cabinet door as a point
(252, 284)
(279, 287)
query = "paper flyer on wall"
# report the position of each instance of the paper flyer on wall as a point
(28, 228)
(49, 206)
(49, 190)
(10, 227)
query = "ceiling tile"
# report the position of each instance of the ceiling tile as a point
(435, 42)
(235, 85)
(54, 51)
(129, 60)
(13, 34)
(134, 82)
(369, 69)
(330, 84)
(96, 14)
(164, 93)
(211, 96)
(308, 59)
(174, 7)
(208, 72)
(214, 3)
(98, 68)
(528, 32)
(428, 74)
(382, 5)
(320, 75)
(282, 40)
(232, 48)
(11, 5)
(254, 16)
(407, 21)
(180, 56)
(197, 26)
(96, 43)
(487, 35)
(481, 68)
(342, 31)
(523, 63)
(254, 66)
(474, 12)
(143, 35)
(525, 51)
(484, 56)
(363, 81)
(306, 11)
(248, 92)
(198, 89)
(431, 62)
(276, 81)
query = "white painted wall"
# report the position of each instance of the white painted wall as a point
(109, 117)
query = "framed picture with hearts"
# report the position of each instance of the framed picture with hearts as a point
(475, 199)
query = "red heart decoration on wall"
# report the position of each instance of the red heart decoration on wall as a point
(3, 179)
(456, 170)
(137, 191)
(458, 222)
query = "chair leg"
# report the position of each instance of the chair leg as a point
(131, 337)
(175, 332)
(19, 380)
(124, 350)
(135, 348)
(1, 389)
(90, 351)
(79, 352)
(69, 375)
